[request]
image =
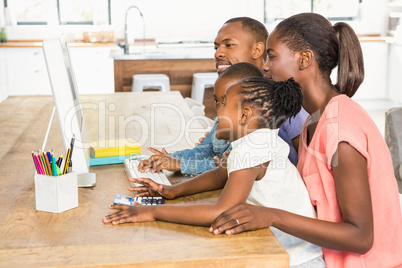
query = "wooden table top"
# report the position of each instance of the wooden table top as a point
(78, 237)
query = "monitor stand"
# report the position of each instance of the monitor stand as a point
(84, 179)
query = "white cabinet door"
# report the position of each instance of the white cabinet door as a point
(395, 73)
(374, 86)
(93, 68)
(3, 75)
(26, 72)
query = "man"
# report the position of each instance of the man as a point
(243, 39)
(240, 39)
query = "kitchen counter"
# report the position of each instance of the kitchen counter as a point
(38, 43)
(168, 51)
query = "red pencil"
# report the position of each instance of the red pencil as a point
(42, 169)
(43, 163)
(35, 163)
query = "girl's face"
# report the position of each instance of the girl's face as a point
(282, 63)
(220, 87)
(229, 115)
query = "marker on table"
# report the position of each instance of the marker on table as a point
(59, 161)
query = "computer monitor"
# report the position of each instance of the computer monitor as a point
(67, 102)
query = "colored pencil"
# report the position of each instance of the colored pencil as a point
(42, 171)
(66, 162)
(49, 167)
(54, 166)
(35, 163)
(44, 163)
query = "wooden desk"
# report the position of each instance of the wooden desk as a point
(77, 237)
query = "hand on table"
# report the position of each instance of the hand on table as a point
(240, 218)
(160, 160)
(138, 213)
(151, 188)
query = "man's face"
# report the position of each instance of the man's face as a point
(233, 44)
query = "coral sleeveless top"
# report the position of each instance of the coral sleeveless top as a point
(343, 120)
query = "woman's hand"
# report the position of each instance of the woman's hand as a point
(137, 213)
(240, 218)
(160, 160)
(151, 188)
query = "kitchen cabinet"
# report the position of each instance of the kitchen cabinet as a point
(180, 72)
(23, 70)
(395, 73)
(375, 85)
(26, 71)
(93, 68)
(3, 75)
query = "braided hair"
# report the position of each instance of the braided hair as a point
(276, 101)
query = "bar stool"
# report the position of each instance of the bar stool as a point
(200, 82)
(143, 81)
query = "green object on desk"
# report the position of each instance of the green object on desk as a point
(97, 161)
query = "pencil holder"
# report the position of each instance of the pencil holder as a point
(56, 193)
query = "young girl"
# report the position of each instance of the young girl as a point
(204, 157)
(240, 39)
(258, 168)
(343, 158)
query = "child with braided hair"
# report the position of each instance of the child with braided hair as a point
(257, 170)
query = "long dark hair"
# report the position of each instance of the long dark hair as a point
(332, 46)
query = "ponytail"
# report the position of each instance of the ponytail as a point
(350, 65)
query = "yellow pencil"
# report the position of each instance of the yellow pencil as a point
(66, 162)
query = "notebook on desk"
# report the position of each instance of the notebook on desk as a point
(131, 167)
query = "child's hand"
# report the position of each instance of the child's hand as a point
(223, 160)
(129, 214)
(160, 160)
(201, 139)
(151, 188)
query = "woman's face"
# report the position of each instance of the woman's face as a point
(282, 63)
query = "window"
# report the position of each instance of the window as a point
(31, 12)
(332, 9)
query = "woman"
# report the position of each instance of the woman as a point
(343, 158)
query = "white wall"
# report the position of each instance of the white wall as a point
(170, 20)
(181, 19)
(164, 20)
